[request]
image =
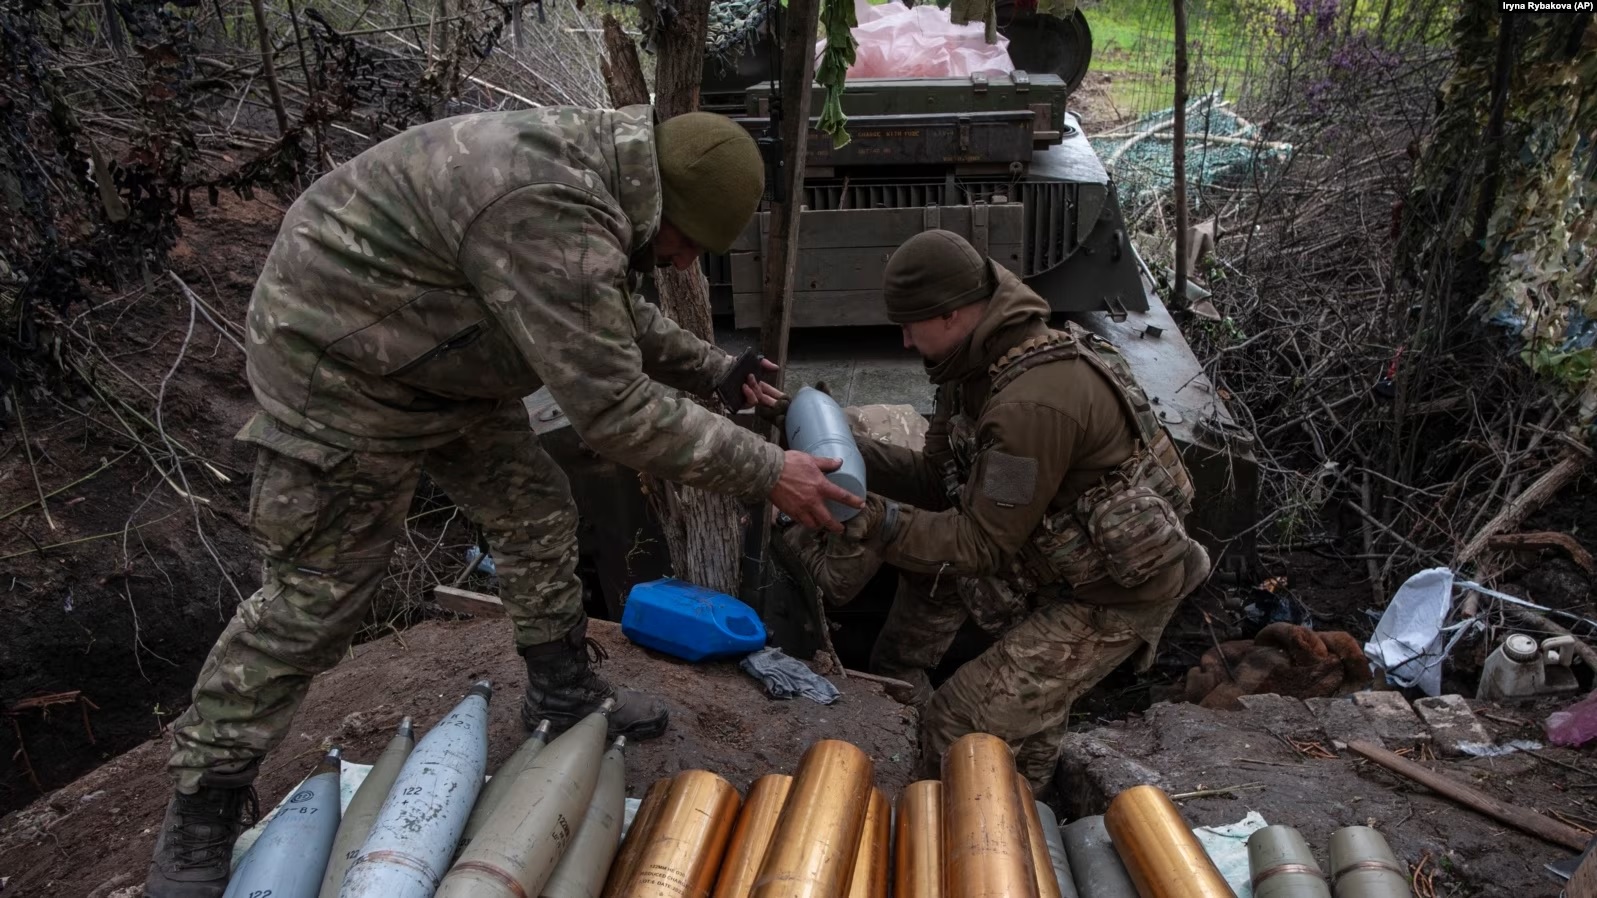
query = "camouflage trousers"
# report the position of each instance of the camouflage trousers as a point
(1046, 655)
(325, 521)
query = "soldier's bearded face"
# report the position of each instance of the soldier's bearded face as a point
(673, 248)
(937, 338)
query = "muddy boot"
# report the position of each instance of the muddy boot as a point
(194, 851)
(562, 688)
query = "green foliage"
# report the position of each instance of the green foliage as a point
(837, 21)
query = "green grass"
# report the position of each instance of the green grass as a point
(1134, 44)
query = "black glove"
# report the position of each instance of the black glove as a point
(876, 524)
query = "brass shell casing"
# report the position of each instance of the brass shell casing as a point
(1042, 863)
(687, 842)
(812, 851)
(987, 850)
(626, 862)
(1162, 856)
(871, 860)
(751, 838)
(918, 841)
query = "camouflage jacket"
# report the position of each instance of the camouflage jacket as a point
(469, 261)
(1004, 462)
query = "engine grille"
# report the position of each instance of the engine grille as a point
(1050, 231)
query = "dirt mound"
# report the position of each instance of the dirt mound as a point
(102, 827)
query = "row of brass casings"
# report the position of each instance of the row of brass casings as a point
(824, 833)
(976, 833)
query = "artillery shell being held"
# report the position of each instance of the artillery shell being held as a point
(637, 837)
(1042, 864)
(363, 807)
(688, 841)
(1094, 863)
(1161, 854)
(581, 871)
(751, 837)
(918, 841)
(817, 836)
(522, 841)
(869, 879)
(415, 832)
(1363, 865)
(1281, 865)
(290, 857)
(984, 823)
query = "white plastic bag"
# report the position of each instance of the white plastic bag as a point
(898, 41)
(1409, 642)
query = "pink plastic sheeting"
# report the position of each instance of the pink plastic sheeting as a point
(897, 41)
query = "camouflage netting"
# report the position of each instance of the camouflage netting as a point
(1139, 155)
(1538, 248)
(735, 26)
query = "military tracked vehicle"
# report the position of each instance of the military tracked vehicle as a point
(1000, 160)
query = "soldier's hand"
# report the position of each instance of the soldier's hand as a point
(876, 524)
(803, 491)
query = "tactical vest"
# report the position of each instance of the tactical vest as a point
(1128, 526)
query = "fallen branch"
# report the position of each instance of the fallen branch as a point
(1545, 540)
(86, 539)
(1524, 820)
(1206, 793)
(1545, 487)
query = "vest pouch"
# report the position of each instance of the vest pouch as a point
(1137, 533)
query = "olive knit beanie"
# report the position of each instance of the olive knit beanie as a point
(711, 177)
(932, 273)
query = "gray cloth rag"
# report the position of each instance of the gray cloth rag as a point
(786, 677)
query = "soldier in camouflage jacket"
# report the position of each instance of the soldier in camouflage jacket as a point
(413, 297)
(1046, 505)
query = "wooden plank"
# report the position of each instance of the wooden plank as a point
(1520, 818)
(830, 308)
(464, 601)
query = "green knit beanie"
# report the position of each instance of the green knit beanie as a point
(932, 273)
(711, 177)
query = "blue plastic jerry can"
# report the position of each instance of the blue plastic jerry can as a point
(690, 622)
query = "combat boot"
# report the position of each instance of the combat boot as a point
(193, 854)
(563, 688)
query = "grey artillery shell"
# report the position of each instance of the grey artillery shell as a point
(1056, 851)
(288, 860)
(816, 424)
(363, 808)
(1363, 865)
(499, 786)
(416, 830)
(1093, 862)
(523, 840)
(582, 869)
(1281, 865)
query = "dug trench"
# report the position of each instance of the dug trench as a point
(116, 597)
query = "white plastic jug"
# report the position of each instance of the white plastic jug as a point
(1520, 668)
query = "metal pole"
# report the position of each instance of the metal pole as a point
(1178, 291)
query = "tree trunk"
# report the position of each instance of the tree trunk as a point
(704, 531)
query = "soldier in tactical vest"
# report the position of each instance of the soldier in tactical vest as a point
(413, 297)
(1046, 506)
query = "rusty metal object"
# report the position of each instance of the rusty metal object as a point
(987, 850)
(918, 841)
(626, 862)
(687, 843)
(812, 851)
(751, 838)
(871, 858)
(1042, 863)
(1161, 854)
